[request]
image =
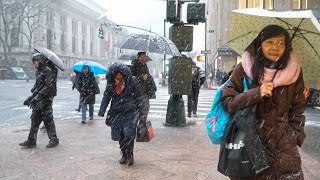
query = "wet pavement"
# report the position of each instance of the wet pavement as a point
(87, 152)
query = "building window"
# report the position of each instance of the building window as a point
(49, 18)
(62, 42)
(84, 30)
(299, 4)
(14, 36)
(63, 23)
(91, 48)
(74, 27)
(91, 33)
(73, 44)
(263, 4)
(268, 4)
(83, 47)
(49, 39)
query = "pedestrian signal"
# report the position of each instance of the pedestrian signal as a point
(100, 35)
(199, 58)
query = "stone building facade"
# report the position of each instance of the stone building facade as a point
(70, 29)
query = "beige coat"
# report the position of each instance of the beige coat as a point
(280, 119)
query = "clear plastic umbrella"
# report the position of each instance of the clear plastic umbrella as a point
(125, 57)
(51, 56)
(151, 43)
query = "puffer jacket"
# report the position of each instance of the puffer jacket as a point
(280, 122)
(125, 106)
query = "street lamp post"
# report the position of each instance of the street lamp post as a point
(164, 76)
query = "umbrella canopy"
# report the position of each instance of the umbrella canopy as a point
(152, 43)
(51, 56)
(302, 25)
(95, 67)
(125, 57)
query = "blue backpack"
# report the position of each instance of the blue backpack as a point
(216, 119)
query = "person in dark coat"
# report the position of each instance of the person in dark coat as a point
(227, 76)
(86, 85)
(75, 86)
(43, 92)
(198, 78)
(126, 103)
(280, 102)
(147, 85)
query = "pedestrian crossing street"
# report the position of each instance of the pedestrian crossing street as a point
(158, 106)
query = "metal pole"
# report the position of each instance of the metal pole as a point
(164, 76)
(206, 57)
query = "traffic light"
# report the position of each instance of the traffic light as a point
(172, 11)
(182, 37)
(100, 35)
(199, 58)
(196, 12)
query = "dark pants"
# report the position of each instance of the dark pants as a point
(193, 101)
(45, 115)
(126, 144)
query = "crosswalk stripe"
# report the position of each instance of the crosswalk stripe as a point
(158, 106)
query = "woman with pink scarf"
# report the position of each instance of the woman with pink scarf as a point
(277, 89)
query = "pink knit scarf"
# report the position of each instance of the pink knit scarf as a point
(286, 76)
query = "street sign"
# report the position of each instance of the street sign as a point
(183, 1)
(206, 52)
(211, 31)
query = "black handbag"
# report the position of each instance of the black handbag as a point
(241, 152)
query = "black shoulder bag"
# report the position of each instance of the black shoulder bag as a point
(241, 151)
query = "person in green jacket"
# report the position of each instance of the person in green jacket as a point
(147, 86)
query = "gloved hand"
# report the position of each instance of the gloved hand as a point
(35, 103)
(27, 101)
(100, 113)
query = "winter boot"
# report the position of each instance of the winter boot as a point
(123, 159)
(28, 144)
(130, 159)
(52, 143)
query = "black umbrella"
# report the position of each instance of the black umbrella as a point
(51, 56)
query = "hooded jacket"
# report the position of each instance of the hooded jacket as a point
(124, 106)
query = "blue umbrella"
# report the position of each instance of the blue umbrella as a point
(95, 67)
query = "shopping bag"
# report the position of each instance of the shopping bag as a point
(144, 131)
(241, 151)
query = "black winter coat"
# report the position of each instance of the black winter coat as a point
(86, 85)
(126, 106)
(45, 87)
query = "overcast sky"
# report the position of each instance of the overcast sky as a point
(147, 14)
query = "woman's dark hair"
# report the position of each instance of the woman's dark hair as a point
(259, 61)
